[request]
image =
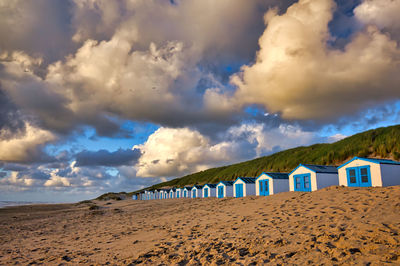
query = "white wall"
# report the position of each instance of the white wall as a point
(390, 174)
(376, 180)
(303, 170)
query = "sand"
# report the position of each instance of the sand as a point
(336, 225)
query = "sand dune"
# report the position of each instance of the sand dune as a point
(332, 226)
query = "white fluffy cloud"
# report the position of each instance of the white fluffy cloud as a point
(381, 13)
(15, 180)
(169, 152)
(175, 152)
(57, 181)
(298, 75)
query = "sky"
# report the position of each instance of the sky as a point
(99, 96)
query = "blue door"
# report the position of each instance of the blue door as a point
(184, 194)
(359, 176)
(206, 192)
(239, 190)
(177, 194)
(220, 192)
(193, 193)
(302, 182)
(263, 186)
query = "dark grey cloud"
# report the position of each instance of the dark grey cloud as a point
(11, 121)
(107, 158)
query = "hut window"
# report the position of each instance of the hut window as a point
(298, 183)
(352, 173)
(364, 175)
(306, 182)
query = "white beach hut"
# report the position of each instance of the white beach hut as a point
(244, 186)
(156, 194)
(369, 172)
(272, 183)
(309, 177)
(146, 195)
(178, 193)
(196, 192)
(186, 192)
(209, 190)
(225, 189)
(171, 193)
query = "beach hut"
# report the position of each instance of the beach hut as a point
(171, 193)
(196, 192)
(225, 189)
(186, 192)
(244, 186)
(134, 196)
(369, 172)
(272, 183)
(309, 177)
(146, 195)
(209, 190)
(155, 194)
(178, 193)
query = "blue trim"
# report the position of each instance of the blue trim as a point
(245, 180)
(371, 160)
(300, 165)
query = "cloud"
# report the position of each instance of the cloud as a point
(381, 13)
(106, 158)
(20, 181)
(297, 75)
(38, 28)
(132, 56)
(26, 145)
(56, 181)
(175, 152)
(170, 152)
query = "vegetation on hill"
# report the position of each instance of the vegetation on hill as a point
(378, 143)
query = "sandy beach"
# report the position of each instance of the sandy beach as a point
(336, 225)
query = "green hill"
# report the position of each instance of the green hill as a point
(379, 143)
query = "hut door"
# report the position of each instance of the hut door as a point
(359, 176)
(206, 192)
(239, 190)
(264, 187)
(220, 192)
